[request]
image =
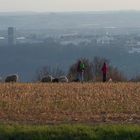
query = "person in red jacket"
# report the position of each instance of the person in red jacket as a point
(104, 71)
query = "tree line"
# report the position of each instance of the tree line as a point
(92, 71)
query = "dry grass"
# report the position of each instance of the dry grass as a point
(68, 103)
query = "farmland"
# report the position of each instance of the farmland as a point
(88, 103)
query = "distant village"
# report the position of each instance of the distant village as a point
(13, 37)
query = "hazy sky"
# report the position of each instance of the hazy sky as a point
(68, 5)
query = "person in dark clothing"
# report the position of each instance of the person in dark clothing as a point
(80, 71)
(104, 71)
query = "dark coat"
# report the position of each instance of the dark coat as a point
(104, 68)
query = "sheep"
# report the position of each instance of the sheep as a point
(48, 78)
(12, 78)
(55, 80)
(63, 79)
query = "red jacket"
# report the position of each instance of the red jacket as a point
(104, 69)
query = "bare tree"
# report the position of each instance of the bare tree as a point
(113, 72)
(93, 70)
(135, 79)
(116, 75)
(88, 73)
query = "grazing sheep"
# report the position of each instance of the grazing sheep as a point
(63, 79)
(12, 78)
(48, 78)
(55, 80)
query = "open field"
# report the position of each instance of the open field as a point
(89, 103)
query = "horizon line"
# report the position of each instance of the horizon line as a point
(74, 11)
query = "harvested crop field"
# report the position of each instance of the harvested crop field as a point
(70, 103)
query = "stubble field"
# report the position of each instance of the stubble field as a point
(88, 103)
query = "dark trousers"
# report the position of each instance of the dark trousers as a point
(81, 76)
(104, 77)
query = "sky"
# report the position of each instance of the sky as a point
(68, 5)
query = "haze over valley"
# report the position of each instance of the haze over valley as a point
(59, 39)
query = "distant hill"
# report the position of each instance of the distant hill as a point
(33, 20)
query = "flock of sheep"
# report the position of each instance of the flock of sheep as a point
(49, 78)
(15, 78)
